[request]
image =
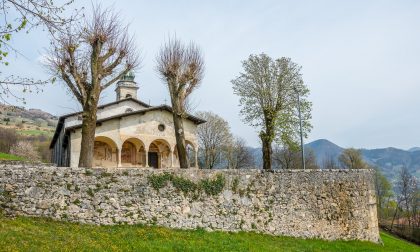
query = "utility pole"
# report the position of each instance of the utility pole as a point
(302, 151)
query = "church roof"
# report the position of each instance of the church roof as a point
(192, 118)
(109, 104)
(148, 108)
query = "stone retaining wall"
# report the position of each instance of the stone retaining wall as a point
(334, 204)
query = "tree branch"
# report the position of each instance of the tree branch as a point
(118, 77)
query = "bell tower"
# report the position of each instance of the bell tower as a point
(127, 87)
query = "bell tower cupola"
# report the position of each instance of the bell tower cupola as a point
(127, 87)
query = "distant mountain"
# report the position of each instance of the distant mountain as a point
(414, 149)
(31, 114)
(324, 150)
(388, 160)
(27, 121)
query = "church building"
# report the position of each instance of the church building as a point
(129, 133)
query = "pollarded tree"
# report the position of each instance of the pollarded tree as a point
(268, 90)
(88, 59)
(181, 67)
(352, 159)
(213, 137)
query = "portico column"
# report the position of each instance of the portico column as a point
(119, 157)
(147, 158)
(196, 158)
(172, 159)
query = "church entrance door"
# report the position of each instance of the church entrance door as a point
(153, 160)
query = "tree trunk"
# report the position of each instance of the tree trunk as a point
(88, 133)
(180, 140)
(267, 151)
(393, 218)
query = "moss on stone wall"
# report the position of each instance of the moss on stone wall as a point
(209, 186)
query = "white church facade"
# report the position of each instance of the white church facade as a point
(129, 133)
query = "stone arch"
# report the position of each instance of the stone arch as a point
(133, 152)
(191, 149)
(159, 154)
(105, 152)
(191, 143)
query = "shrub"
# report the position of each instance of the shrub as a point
(26, 150)
(235, 184)
(158, 181)
(7, 138)
(215, 186)
(184, 185)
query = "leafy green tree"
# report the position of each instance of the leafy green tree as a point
(383, 191)
(352, 159)
(268, 90)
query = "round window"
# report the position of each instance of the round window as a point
(161, 127)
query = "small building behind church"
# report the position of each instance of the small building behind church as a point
(129, 133)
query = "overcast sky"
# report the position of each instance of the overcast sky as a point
(360, 59)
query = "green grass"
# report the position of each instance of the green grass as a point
(38, 234)
(34, 132)
(5, 156)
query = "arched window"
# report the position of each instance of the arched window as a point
(128, 96)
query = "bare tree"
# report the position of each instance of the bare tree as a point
(8, 137)
(239, 155)
(310, 160)
(407, 191)
(268, 91)
(284, 158)
(287, 158)
(415, 207)
(27, 14)
(213, 137)
(88, 59)
(25, 149)
(352, 159)
(329, 162)
(181, 67)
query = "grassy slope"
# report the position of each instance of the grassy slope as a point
(44, 235)
(5, 156)
(35, 132)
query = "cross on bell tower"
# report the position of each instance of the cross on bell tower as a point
(127, 87)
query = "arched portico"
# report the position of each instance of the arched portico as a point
(133, 153)
(192, 154)
(159, 154)
(105, 152)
